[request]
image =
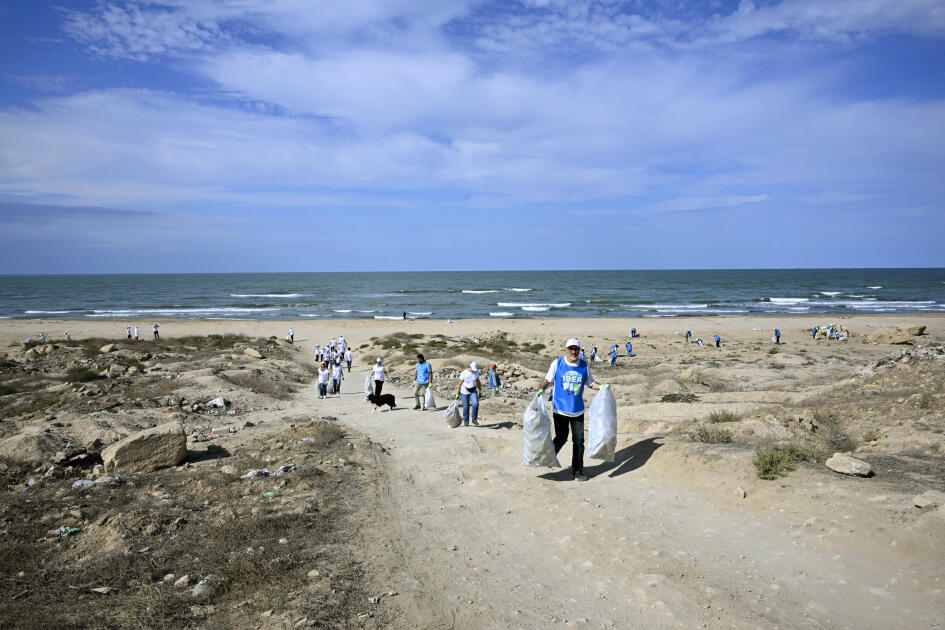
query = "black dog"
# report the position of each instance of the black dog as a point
(380, 401)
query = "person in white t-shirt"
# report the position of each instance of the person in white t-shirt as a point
(136, 332)
(323, 375)
(468, 389)
(291, 334)
(349, 357)
(337, 374)
(378, 372)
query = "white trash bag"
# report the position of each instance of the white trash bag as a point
(602, 433)
(368, 385)
(428, 401)
(536, 426)
(454, 416)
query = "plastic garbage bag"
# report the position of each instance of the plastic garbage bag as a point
(454, 416)
(368, 385)
(536, 427)
(428, 401)
(602, 433)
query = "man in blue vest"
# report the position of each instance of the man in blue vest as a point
(570, 375)
(629, 349)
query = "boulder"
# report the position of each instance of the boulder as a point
(219, 403)
(31, 354)
(111, 347)
(253, 352)
(33, 445)
(114, 370)
(47, 349)
(896, 334)
(846, 465)
(929, 498)
(158, 447)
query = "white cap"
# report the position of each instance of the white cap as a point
(573, 341)
(474, 365)
(378, 359)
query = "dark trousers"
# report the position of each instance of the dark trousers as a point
(378, 386)
(576, 426)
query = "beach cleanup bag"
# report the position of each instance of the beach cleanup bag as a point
(428, 400)
(536, 427)
(454, 417)
(602, 433)
(368, 386)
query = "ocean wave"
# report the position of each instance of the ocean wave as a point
(388, 317)
(342, 310)
(680, 307)
(309, 315)
(47, 312)
(279, 295)
(882, 304)
(478, 291)
(787, 300)
(535, 308)
(174, 311)
(799, 309)
(876, 287)
(367, 311)
(517, 289)
(501, 314)
(426, 313)
(525, 304)
(830, 293)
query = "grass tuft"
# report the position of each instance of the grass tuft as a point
(714, 435)
(723, 415)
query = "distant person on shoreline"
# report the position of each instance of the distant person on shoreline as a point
(128, 331)
(42, 337)
(405, 314)
(68, 336)
(718, 341)
(777, 336)
(688, 336)
(136, 332)
(813, 332)
(633, 333)
(349, 356)
(291, 334)
(630, 349)
(613, 355)
(699, 341)
(156, 335)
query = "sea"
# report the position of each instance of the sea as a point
(474, 294)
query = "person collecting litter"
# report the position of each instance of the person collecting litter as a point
(494, 381)
(569, 375)
(777, 336)
(422, 380)
(613, 355)
(718, 341)
(468, 389)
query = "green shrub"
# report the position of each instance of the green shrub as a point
(684, 398)
(774, 351)
(773, 461)
(870, 435)
(831, 433)
(81, 375)
(723, 415)
(714, 435)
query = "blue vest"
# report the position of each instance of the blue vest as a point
(569, 386)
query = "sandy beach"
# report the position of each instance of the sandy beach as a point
(444, 528)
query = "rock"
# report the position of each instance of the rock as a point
(846, 465)
(114, 370)
(253, 352)
(896, 334)
(219, 403)
(151, 449)
(98, 471)
(33, 445)
(47, 349)
(929, 498)
(168, 578)
(740, 492)
(31, 354)
(205, 588)
(108, 348)
(182, 581)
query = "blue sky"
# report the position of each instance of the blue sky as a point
(297, 135)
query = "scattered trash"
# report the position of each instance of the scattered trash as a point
(283, 541)
(264, 472)
(104, 590)
(83, 483)
(270, 494)
(67, 531)
(205, 588)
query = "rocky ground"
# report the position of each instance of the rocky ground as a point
(719, 510)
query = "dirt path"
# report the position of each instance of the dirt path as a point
(660, 538)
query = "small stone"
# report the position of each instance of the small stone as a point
(740, 492)
(205, 588)
(168, 578)
(314, 573)
(182, 581)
